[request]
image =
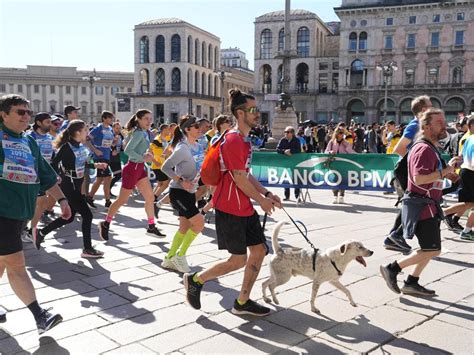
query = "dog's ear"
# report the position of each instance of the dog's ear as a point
(343, 248)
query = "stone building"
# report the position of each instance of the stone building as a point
(432, 44)
(314, 73)
(176, 67)
(234, 57)
(50, 88)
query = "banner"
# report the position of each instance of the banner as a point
(324, 171)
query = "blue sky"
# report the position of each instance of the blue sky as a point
(99, 34)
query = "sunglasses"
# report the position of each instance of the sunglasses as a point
(23, 112)
(251, 109)
(289, 132)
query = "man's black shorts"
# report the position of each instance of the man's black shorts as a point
(160, 175)
(103, 173)
(184, 203)
(10, 240)
(429, 234)
(466, 192)
(235, 233)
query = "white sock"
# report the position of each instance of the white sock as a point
(467, 229)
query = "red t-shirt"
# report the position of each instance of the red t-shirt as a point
(236, 154)
(423, 160)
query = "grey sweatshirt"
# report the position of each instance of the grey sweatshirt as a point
(183, 163)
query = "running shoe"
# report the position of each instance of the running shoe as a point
(92, 253)
(26, 237)
(390, 278)
(154, 232)
(182, 263)
(37, 236)
(47, 320)
(104, 230)
(3, 315)
(107, 203)
(399, 241)
(340, 200)
(250, 307)
(193, 291)
(452, 226)
(467, 235)
(417, 290)
(90, 202)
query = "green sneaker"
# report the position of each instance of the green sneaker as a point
(467, 235)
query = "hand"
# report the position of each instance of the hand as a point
(65, 210)
(331, 152)
(58, 179)
(287, 152)
(267, 205)
(187, 185)
(455, 161)
(276, 199)
(448, 170)
(147, 157)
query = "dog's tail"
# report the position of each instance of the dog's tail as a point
(276, 246)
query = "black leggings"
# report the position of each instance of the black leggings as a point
(78, 204)
(116, 167)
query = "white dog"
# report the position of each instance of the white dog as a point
(329, 266)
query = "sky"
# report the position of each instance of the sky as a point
(98, 34)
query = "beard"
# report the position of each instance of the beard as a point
(442, 135)
(249, 122)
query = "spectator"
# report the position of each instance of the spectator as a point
(289, 145)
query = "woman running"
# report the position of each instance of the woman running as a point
(134, 173)
(183, 167)
(70, 163)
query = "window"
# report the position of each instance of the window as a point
(335, 65)
(52, 106)
(457, 76)
(281, 40)
(36, 105)
(20, 88)
(176, 80)
(196, 52)
(357, 74)
(280, 78)
(389, 21)
(412, 20)
(459, 41)
(190, 47)
(323, 66)
(411, 41)
(84, 108)
(129, 89)
(99, 90)
(3, 88)
(363, 41)
(433, 76)
(68, 90)
(159, 112)
(52, 89)
(209, 85)
(203, 54)
(209, 56)
(460, 16)
(144, 53)
(36, 89)
(335, 82)
(409, 77)
(160, 49)
(114, 90)
(323, 82)
(83, 90)
(388, 42)
(144, 81)
(176, 48)
(363, 23)
(267, 79)
(436, 18)
(302, 76)
(435, 39)
(99, 107)
(302, 42)
(353, 41)
(266, 44)
(160, 81)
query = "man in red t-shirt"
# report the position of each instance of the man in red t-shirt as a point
(238, 225)
(425, 179)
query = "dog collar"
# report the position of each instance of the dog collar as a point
(335, 266)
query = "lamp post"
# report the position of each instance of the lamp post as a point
(387, 71)
(91, 79)
(222, 75)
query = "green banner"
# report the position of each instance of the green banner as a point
(324, 171)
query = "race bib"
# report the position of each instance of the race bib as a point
(108, 138)
(46, 148)
(19, 163)
(81, 153)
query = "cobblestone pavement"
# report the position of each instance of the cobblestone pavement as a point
(126, 303)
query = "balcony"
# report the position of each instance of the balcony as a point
(171, 94)
(432, 49)
(457, 48)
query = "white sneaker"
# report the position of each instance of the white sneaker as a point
(26, 237)
(168, 264)
(335, 201)
(341, 200)
(182, 263)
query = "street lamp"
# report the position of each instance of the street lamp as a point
(91, 79)
(387, 71)
(222, 75)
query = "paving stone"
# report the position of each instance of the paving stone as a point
(315, 346)
(112, 279)
(403, 346)
(133, 349)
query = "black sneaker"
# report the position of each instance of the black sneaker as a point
(399, 241)
(201, 203)
(154, 232)
(193, 291)
(90, 202)
(390, 278)
(416, 289)
(452, 226)
(250, 307)
(45, 218)
(92, 253)
(37, 237)
(104, 230)
(389, 245)
(3, 315)
(107, 203)
(47, 320)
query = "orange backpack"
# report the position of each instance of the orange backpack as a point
(211, 172)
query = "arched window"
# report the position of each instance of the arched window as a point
(216, 58)
(196, 52)
(406, 115)
(190, 49)
(457, 76)
(196, 82)
(357, 74)
(356, 111)
(160, 81)
(391, 110)
(435, 102)
(363, 41)
(281, 40)
(453, 108)
(190, 80)
(203, 54)
(353, 41)
(176, 80)
(209, 85)
(144, 81)
(144, 50)
(409, 77)
(302, 42)
(266, 79)
(215, 86)
(209, 56)
(302, 75)
(433, 76)
(203, 83)
(176, 48)
(280, 78)
(160, 49)
(266, 44)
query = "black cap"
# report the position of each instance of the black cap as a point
(41, 116)
(68, 109)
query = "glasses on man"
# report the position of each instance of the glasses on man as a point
(289, 132)
(251, 110)
(23, 112)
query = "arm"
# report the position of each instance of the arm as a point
(329, 148)
(280, 147)
(244, 183)
(295, 146)
(262, 190)
(401, 147)
(174, 159)
(133, 142)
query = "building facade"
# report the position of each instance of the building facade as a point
(50, 88)
(234, 58)
(238, 78)
(176, 71)
(431, 43)
(314, 72)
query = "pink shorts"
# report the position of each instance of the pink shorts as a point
(133, 173)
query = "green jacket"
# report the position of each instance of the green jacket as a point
(23, 172)
(138, 144)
